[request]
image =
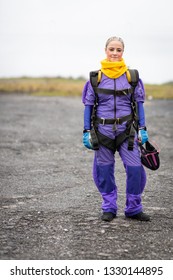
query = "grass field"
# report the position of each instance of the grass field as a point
(69, 87)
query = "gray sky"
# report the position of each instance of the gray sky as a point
(67, 38)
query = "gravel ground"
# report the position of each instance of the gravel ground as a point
(50, 208)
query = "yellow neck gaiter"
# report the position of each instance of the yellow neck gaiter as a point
(113, 70)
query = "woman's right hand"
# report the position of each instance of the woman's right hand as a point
(87, 140)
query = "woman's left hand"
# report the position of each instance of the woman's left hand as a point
(142, 136)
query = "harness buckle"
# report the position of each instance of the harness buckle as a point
(103, 121)
(124, 92)
(118, 121)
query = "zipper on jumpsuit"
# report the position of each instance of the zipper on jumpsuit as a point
(114, 125)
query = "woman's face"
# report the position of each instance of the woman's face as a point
(114, 51)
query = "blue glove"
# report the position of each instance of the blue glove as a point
(142, 136)
(87, 140)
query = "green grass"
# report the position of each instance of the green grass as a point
(68, 87)
(164, 91)
(42, 86)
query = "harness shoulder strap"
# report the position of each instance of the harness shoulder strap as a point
(95, 78)
(132, 77)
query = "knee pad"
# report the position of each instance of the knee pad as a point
(134, 179)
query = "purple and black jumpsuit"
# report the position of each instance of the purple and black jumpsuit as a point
(111, 107)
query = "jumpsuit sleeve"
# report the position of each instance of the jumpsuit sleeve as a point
(89, 103)
(89, 96)
(141, 114)
(140, 99)
(139, 92)
(87, 117)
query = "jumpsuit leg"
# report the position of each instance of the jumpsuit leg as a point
(135, 178)
(103, 175)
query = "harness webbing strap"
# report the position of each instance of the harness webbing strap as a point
(131, 138)
(94, 137)
(113, 121)
(106, 141)
(114, 144)
(94, 79)
(114, 92)
(134, 74)
(121, 138)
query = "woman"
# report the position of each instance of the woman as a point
(113, 115)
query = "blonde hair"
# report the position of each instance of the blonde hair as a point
(114, 39)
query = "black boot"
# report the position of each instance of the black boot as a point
(108, 216)
(140, 217)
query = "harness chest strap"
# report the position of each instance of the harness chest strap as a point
(114, 92)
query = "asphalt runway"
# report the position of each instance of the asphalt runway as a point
(49, 205)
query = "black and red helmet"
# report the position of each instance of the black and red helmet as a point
(150, 156)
